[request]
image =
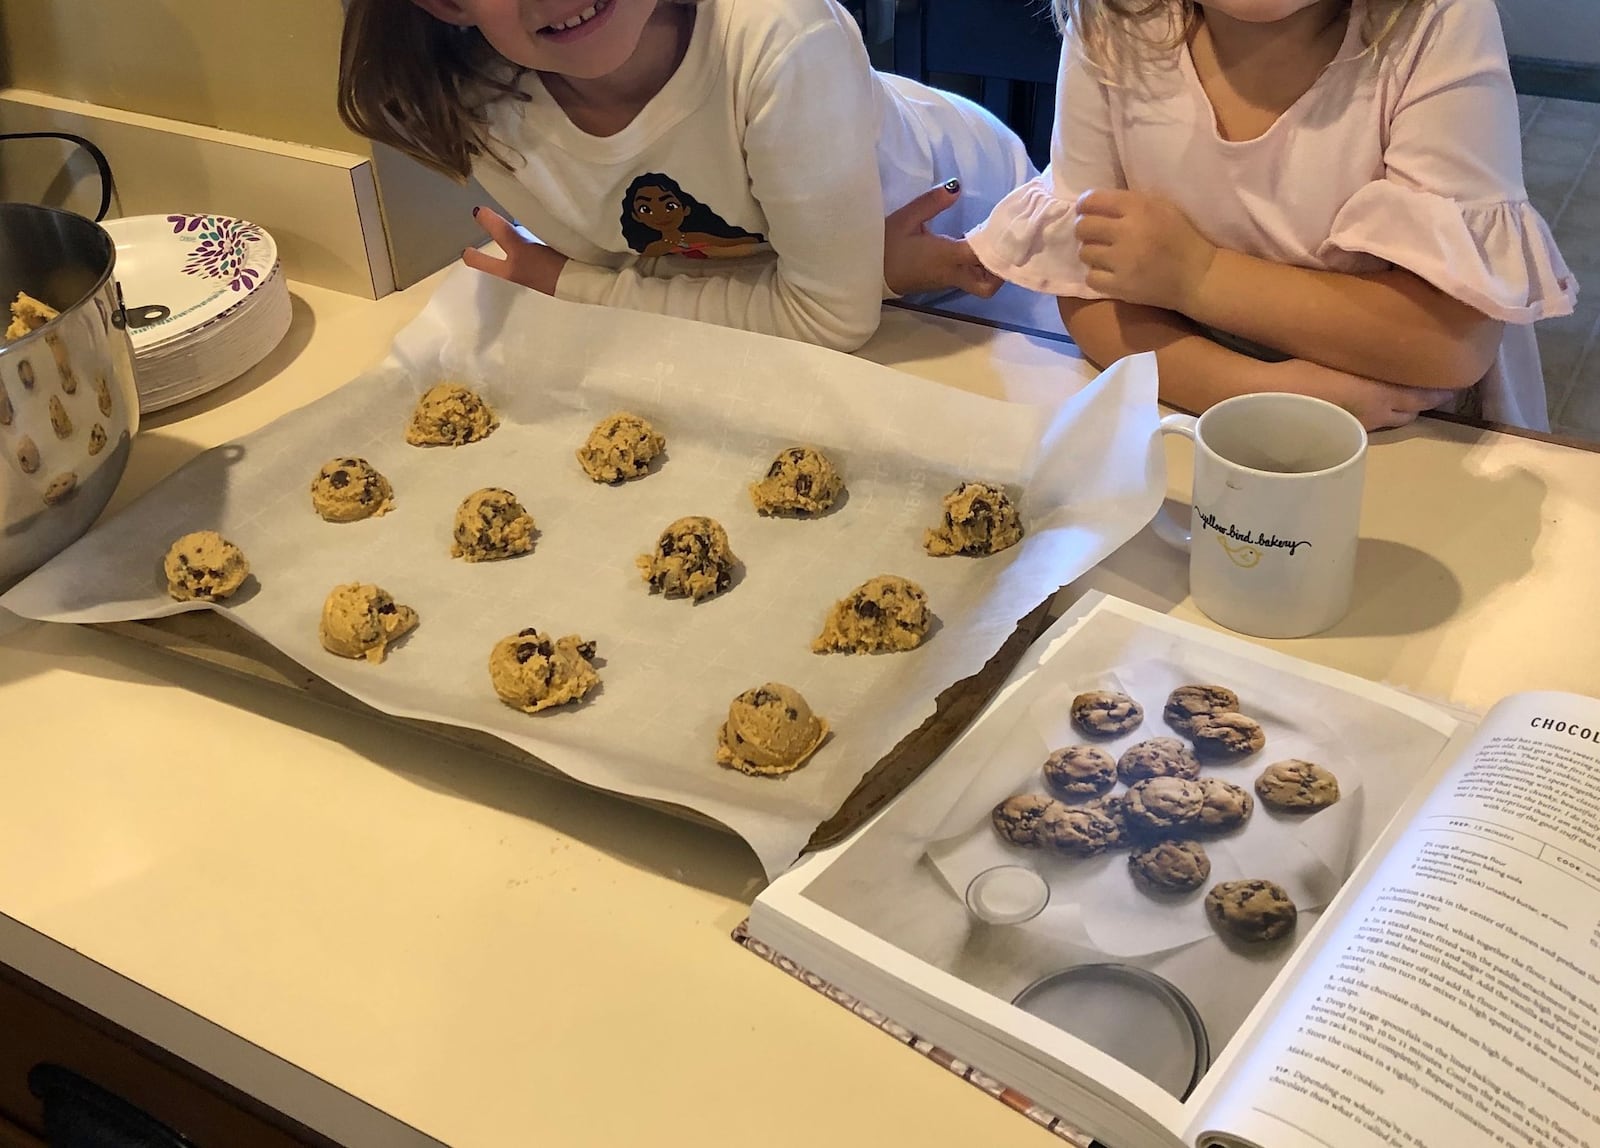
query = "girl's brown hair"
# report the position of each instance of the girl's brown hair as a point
(409, 80)
(1110, 29)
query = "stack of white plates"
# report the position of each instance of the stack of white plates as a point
(205, 297)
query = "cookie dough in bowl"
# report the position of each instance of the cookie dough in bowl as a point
(979, 519)
(692, 559)
(770, 731)
(350, 489)
(491, 524)
(882, 614)
(204, 566)
(450, 415)
(801, 481)
(621, 446)
(532, 672)
(360, 620)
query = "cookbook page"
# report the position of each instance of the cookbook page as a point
(1084, 469)
(1454, 1001)
(1091, 966)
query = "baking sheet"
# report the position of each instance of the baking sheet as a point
(1089, 469)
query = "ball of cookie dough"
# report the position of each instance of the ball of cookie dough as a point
(1106, 713)
(204, 566)
(801, 480)
(978, 519)
(1227, 806)
(1077, 830)
(770, 730)
(1251, 911)
(883, 613)
(1017, 818)
(1227, 735)
(1186, 704)
(450, 415)
(1080, 771)
(532, 672)
(349, 489)
(1157, 757)
(490, 524)
(359, 620)
(692, 559)
(1161, 806)
(1170, 866)
(620, 447)
(1296, 786)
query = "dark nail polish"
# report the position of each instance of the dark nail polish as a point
(953, 186)
(475, 211)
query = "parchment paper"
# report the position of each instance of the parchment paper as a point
(1088, 470)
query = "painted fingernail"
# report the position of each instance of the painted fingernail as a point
(953, 186)
(475, 211)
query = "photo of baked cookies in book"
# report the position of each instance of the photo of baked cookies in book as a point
(1176, 888)
(1182, 814)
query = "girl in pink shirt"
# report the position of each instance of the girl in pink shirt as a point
(1316, 196)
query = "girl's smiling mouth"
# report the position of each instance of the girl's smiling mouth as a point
(568, 29)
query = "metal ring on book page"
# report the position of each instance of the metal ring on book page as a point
(1128, 1013)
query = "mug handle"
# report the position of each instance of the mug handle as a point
(1168, 528)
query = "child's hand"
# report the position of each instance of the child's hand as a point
(526, 262)
(1376, 404)
(915, 259)
(1140, 249)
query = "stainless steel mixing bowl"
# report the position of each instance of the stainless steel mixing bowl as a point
(68, 405)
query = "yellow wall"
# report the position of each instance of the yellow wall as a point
(262, 67)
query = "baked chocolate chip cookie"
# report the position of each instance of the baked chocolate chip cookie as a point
(1251, 911)
(1186, 704)
(1160, 806)
(1296, 786)
(1111, 806)
(1080, 771)
(1106, 713)
(1157, 757)
(1017, 818)
(1170, 866)
(1227, 806)
(1227, 735)
(1076, 830)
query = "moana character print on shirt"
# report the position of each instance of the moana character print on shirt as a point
(660, 218)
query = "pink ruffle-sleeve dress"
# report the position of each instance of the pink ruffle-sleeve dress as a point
(1407, 156)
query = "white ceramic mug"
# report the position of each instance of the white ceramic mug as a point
(1277, 508)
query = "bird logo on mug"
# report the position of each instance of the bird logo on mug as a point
(1244, 556)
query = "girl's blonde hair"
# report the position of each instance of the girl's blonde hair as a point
(416, 83)
(1111, 30)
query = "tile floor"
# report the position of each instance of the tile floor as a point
(1561, 166)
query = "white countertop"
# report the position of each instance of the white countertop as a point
(365, 927)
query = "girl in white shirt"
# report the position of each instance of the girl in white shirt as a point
(731, 160)
(1316, 196)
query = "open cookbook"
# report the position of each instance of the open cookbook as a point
(1180, 889)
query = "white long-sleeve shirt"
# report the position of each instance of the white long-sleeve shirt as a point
(793, 148)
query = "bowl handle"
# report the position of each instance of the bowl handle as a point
(102, 164)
